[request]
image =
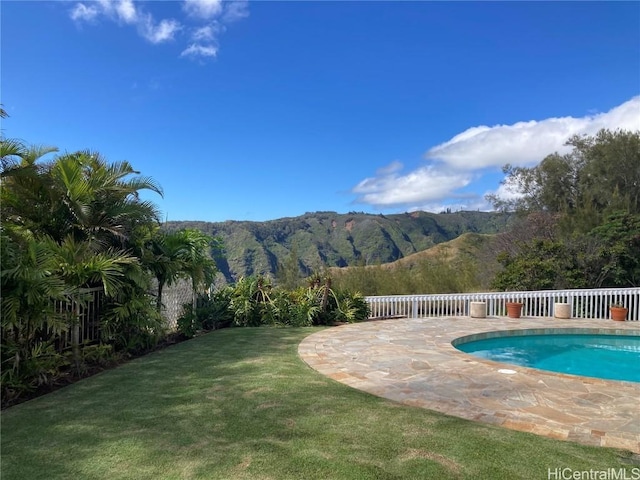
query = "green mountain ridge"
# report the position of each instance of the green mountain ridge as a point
(330, 239)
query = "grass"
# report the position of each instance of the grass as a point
(240, 404)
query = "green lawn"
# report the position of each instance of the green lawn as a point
(239, 403)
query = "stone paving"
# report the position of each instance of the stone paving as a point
(412, 361)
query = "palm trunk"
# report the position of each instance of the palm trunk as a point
(194, 298)
(159, 297)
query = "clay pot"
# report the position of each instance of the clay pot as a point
(618, 314)
(514, 309)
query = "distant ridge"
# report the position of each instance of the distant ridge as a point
(330, 239)
(466, 244)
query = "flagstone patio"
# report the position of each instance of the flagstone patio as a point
(412, 361)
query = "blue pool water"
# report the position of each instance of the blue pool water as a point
(614, 357)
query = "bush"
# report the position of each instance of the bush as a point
(212, 312)
(253, 302)
(250, 299)
(353, 307)
(303, 307)
(25, 372)
(131, 323)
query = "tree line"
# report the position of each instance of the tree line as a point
(579, 217)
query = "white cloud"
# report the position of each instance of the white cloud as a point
(218, 14)
(205, 33)
(196, 50)
(118, 10)
(80, 12)
(158, 33)
(461, 161)
(425, 184)
(390, 169)
(507, 191)
(126, 11)
(205, 9)
(215, 14)
(235, 10)
(526, 143)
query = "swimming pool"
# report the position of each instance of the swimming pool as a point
(613, 357)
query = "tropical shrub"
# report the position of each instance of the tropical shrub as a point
(296, 308)
(250, 301)
(66, 225)
(28, 367)
(352, 307)
(188, 323)
(29, 319)
(212, 312)
(215, 309)
(131, 322)
(304, 307)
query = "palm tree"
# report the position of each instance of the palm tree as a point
(98, 199)
(29, 320)
(161, 255)
(197, 262)
(80, 264)
(79, 194)
(14, 154)
(180, 254)
(81, 212)
(25, 189)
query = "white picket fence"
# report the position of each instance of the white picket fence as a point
(584, 303)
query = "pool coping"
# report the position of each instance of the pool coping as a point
(413, 361)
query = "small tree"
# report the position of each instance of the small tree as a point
(288, 274)
(619, 240)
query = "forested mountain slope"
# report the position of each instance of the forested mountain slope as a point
(329, 239)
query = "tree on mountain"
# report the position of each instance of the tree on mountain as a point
(601, 174)
(620, 248)
(288, 274)
(592, 194)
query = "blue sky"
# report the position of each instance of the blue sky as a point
(262, 110)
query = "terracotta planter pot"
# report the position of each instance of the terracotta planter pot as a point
(514, 309)
(618, 314)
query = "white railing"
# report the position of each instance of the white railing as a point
(587, 303)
